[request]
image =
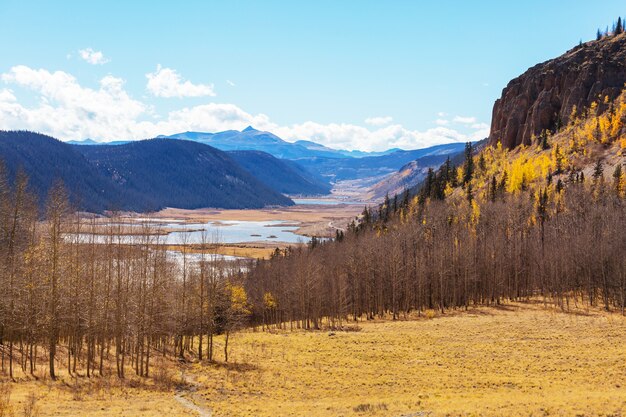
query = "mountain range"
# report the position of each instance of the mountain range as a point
(231, 169)
(139, 176)
(253, 139)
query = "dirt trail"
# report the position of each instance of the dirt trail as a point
(186, 394)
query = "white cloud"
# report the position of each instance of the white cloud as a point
(7, 96)
(479, 126)
(349, 136)
(464, 120)
(166, 82)
(67, 110)
(379, 121)
(92, 57)
(442, 114)
(442, 122)
(229, 82)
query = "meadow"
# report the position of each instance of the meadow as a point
(519, 359)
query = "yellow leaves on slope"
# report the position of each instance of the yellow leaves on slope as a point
(524, 170)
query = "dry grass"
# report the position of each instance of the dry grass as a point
(106, 396)
(519, 360)
(244, 250)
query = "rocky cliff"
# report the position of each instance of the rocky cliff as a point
(544, 96)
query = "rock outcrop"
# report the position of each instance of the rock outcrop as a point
(544, 96)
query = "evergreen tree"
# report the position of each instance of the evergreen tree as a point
(559, 159)
(447, 170)
(559, 186)
(482, 164)
(503, 182)
(469, 193)
(468, 167)
(406, 198)
(619, 28)
(618, 183)
(598, 170)
(386, 208)
(367, 217)
(598, 35)
(428, 184)
(493, 189)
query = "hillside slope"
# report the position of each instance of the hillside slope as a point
(183, 174)
(46, 160)
(279, 174)
(337, 169)
(406, 177)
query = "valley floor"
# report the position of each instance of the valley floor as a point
(312, 219)
(519, 359)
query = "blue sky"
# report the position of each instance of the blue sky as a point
(350, 74)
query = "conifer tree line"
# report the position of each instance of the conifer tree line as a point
(77, 298)
(616, 29)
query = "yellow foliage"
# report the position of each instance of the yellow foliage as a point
(459, 175)
(269, 301)
(475, 214)
(524, 171)
(238, 299)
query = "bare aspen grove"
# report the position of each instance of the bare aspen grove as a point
(452, 257)
(92, 304)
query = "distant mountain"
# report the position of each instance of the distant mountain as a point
(83, 142)
(252, 139)
(184, 174)
(282, 175)
(139, 176)
(93, 142)
(323, 163)
(316, 147)
(336, 169)
(407, 177)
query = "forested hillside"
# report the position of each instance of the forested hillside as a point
(137, 176)
(174, 173)
(282, 175)
(45, 160)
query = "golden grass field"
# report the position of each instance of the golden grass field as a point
(519, 360)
